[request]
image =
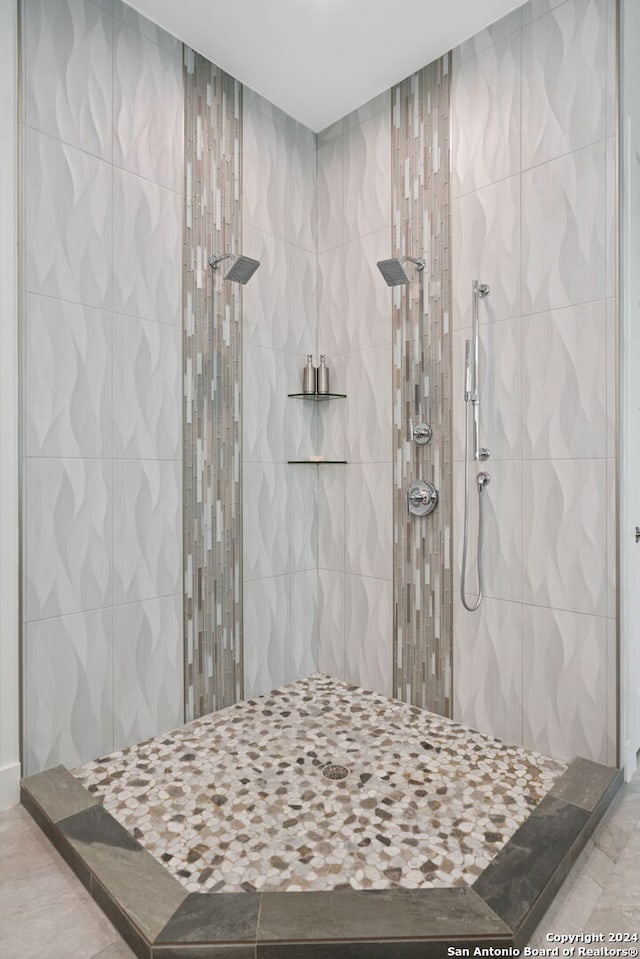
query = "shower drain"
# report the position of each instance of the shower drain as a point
(333, 771)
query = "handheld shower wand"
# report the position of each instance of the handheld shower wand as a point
(467, 371)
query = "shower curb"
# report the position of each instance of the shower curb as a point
(159, 919)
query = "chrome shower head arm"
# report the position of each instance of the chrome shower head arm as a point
(214, 261)
(419, 262)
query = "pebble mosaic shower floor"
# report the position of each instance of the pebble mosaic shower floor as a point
(239, 800)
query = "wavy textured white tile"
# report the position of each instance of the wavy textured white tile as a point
(148, 108)
(67, 222)
(564, 534)
(485, 131)
(146, 27)
(564, 660)
(502, 527)
(265, 527)
(147, 669)
(265, 405)
(265, 306)
(147, 408)
(611, 107)
(368, 406)
(378, 104)
(331, 416)
(68, 72)
(611, 204)
(302, 439)
(369, 633)
(367, 177)
(331, 525)
(368, 520)
(303, 647)
(265, 159)
(563, 80)
(305, 134)
(612, 366)
(302, 331)
(68, 546)
(331, 623)
(611, 758)
(253, 102)
(491, 35)
(458, 341)
(303, 518)
(266, 634)
(302, 225)
(335, 131)
(367, 298)
(333, 336)
(503, 517)
(564, 230)
(487, 663)
(537, 8)
(612, 540)
(486, 247)
(147, 529)
(331, 194)
(564, 383)
(500, 383)
(147, 257)
(68, 706)
(68, 379)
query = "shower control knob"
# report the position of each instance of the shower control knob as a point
(422, 433)
(483, 453)
(422, 498)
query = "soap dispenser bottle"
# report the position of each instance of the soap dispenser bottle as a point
(322, 376)
(309, 376)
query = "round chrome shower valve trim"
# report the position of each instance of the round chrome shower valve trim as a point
(422, 498)
(421, 433)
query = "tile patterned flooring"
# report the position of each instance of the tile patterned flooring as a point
(238, 801)
(46, 913)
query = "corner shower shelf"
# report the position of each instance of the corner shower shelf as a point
(317, 397)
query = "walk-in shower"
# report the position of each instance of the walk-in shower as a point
(394, 272)
(480, 453)
(241, 269)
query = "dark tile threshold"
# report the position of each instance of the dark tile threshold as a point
(160, 920)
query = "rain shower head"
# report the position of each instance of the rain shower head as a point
(394, 272)
(241, 270)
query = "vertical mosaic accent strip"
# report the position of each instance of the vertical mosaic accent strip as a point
(423, 581)
(212, 390)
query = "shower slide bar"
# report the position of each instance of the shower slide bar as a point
(480, 453)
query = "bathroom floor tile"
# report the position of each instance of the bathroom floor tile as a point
(241, 800)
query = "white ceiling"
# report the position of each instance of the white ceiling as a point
(320, 59)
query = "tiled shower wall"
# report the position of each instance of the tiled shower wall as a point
(422, 639)
(534, 161)
(212, 390)
(355, 551)
(103, 172)
(280, 500)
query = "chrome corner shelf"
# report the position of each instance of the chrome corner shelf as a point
(317, 397)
